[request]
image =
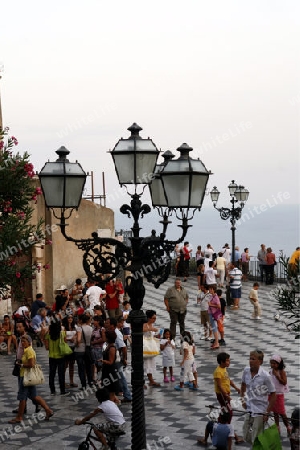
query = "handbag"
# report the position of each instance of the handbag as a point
(150, 346)
(16, 369)
(269, 439)
(64, 348)
(33, 376)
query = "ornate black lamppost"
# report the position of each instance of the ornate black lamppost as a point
(239, 195)
(177, 186)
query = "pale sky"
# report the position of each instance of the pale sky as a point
(222, 76)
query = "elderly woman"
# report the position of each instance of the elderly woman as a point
(28, 361)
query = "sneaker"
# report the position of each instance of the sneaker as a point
(212, 341)
(178, 388)
(222, 342)
(65, 394)
(53, 393)
(166, 380)
(193, 388)
(258, 318)
(172, 378)
(188, 384)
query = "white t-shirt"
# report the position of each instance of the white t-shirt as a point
(111, 412)
(205, 298)
(209, 253)
(210, 276)
(93, 294)
(22, 311)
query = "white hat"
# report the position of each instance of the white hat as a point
(62, 288)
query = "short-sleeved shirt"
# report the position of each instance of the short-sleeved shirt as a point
(54, 351)
(28, 354)
(222, 374)
(221, 433)
(236, 281)
(257, 390)
(111, 412)
(189, 348)
(253, 294)
(210, 276)
(177, 299)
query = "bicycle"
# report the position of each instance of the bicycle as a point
(111, 433)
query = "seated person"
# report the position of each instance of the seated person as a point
(37, 304)
(221, 432)
(39, 323)
(7, 333)
(115, 422)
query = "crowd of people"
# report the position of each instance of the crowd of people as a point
(91, 320)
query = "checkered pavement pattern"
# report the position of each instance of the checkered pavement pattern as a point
(174, 420)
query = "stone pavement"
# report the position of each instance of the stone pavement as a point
(174, 419)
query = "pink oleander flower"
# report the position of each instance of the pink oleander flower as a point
(48, 242)
(46, 266)
(18, 275)
(21, 215)
(15, 141)
(38, 191)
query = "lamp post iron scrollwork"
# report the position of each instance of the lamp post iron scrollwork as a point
(135, 161)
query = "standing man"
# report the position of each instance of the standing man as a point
(259, 391)
(176, 299)
(235, 280)
(93, 294)
(261, 256)
(237, 257)
(210, 275)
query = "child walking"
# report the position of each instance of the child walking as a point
(279, 378)
(167, 347)
(253, 296)
(188, 367)
(114, 417)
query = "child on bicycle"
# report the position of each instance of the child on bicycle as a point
(114, 418)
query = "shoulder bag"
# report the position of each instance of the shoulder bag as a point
(150, 346)
(64, 348)
(33, 376)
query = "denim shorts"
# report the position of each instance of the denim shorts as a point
(236, 293)
(26, 391)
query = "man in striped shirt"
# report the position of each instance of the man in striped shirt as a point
(235, 280)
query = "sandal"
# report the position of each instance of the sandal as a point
(73, 385)
(202, 441)
(155, 385)
(49, 415)
(14, 421)
(214, 347)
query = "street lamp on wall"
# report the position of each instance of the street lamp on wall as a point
(176, 186)
(239, 195)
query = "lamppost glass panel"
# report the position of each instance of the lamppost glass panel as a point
(62, 182)
(241, 194)
(232, 188)
(184, 180)
(135, 158)
(214, 195)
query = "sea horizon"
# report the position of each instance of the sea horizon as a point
(275, 225)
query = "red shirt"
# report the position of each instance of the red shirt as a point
(111, 303)
(186, 253)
